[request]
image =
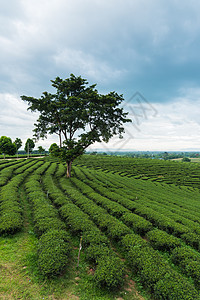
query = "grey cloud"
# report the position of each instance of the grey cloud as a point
(150, 46)
(149, 40)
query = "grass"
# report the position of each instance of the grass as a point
(20, 277)
(193, 159)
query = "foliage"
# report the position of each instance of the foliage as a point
(78, 113)
(156, 170)
(182, 253)
(41, 149)
(107, 209)
(53, 252)
(11, 219)
(186, 159)
(7, 173)
(44, 214)
(156, 274)
(162, 241)
(110, 272)
(94, 237)
(192, 239)
(137, 223)
(173, 287)
(94, 242)
(7, 146)
(189, 263)
(18, 143)
(29, 146)
(54, 150)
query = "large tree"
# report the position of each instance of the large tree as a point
(7, 146)
(78, 114)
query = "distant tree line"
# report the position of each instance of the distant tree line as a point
(7, 147)
(149, 154)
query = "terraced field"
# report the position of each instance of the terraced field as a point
(173, 172)
(134, 231)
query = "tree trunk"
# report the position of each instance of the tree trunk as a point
(69, 167)
(60, 139)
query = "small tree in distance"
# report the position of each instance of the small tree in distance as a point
(54, 150)
(18, 143)
(41, 149)
(29, 146)
(7, 146)
(186, 159)
(78, 114)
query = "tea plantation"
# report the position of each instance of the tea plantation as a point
(129, 220)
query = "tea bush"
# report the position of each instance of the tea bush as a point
(110, 271)
(162, 241)
(174, 287)
(137, 223)
(189, 263)
(53, 252)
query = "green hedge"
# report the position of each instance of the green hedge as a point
(10, 222)
(174, 287)
(97, 249)
(11, 218)
(189, 262)
(61, 171)
(7, 172)
(114, 227)
(94, 237)
(44, 213)
(155, 273)
(110, 271)
(22, 167)
(53, 252)
(96, 245)
(192, 239)
(162, 241)
(137, 223)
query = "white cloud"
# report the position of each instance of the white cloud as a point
(146, 45)
(87, 64)
(175, 127)
(15, 120)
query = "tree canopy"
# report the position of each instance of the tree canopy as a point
(41, 149)
(18, 143)
(78, 114)
(54, 150)
(186, 159)
(7, 146)
(29, 146)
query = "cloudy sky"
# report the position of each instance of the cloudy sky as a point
(147, 50)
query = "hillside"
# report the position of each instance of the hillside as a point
(173, 172)
(140, 235)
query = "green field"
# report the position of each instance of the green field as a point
(138, 221)
(191, 158)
